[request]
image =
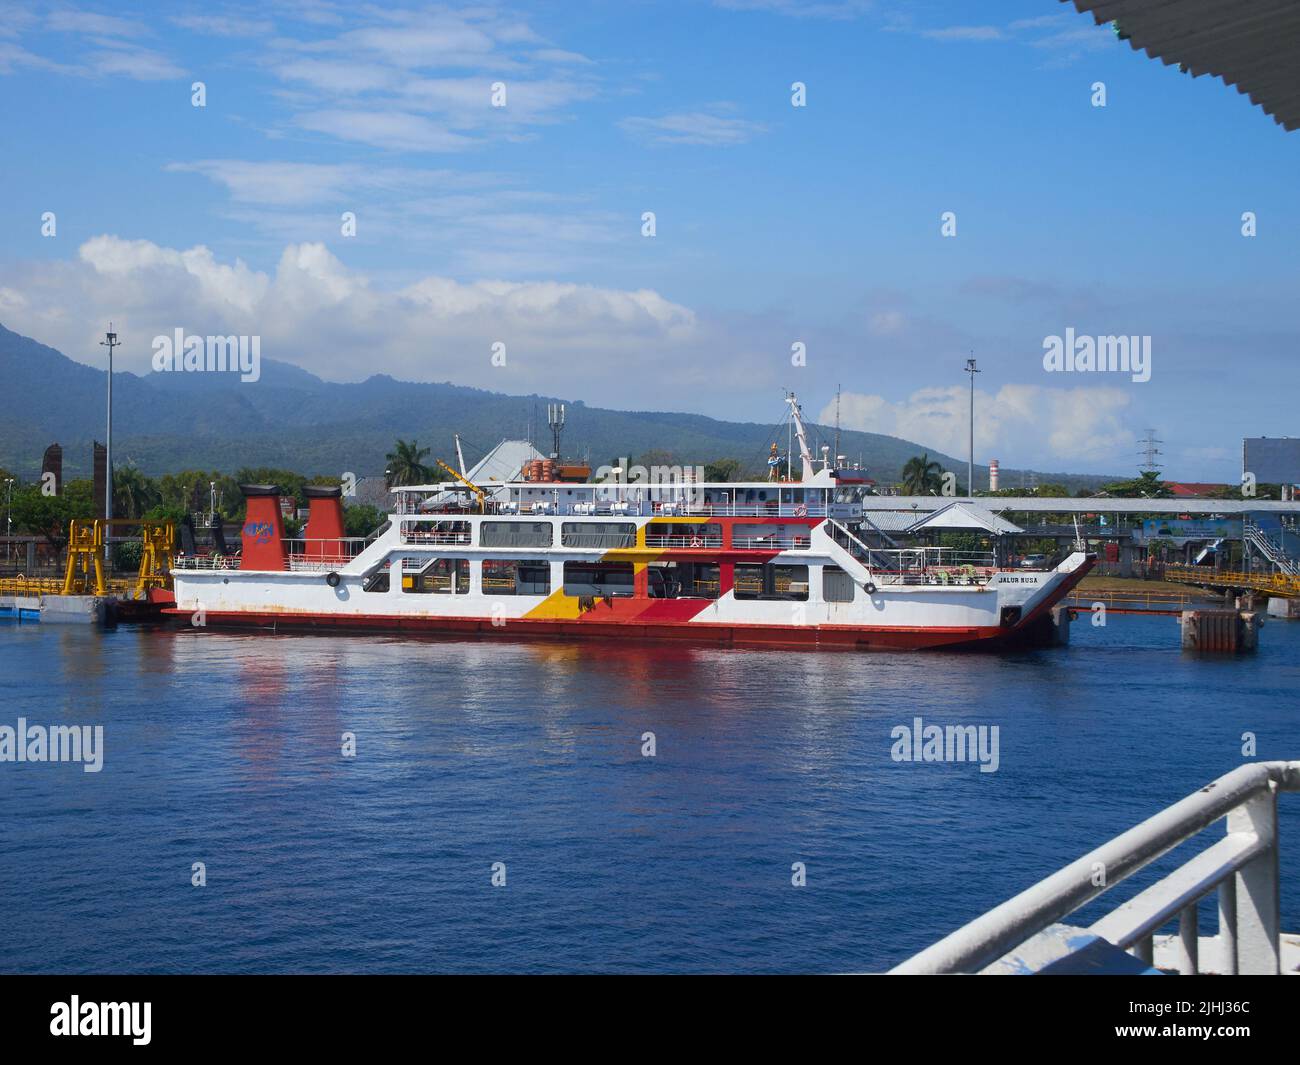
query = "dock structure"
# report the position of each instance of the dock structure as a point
(86, 593)
(1276, 585)
(1026, 935)
(1220, 631)
(54, 609)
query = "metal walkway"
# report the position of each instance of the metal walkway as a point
(1280, 585)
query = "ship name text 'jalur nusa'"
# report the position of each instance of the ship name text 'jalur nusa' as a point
(766, 562)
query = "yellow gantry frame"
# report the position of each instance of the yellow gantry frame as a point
(85, 570)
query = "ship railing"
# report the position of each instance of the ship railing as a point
(418, 536)
(1242, 867)
(771, 543)
(324, 554)
(755, 510)
(205, 562)
(656, 509)
(683, 541)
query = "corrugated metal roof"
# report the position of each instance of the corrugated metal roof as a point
(504, 462)
(1090, 505)
(1253, 45)
(966, 516)
(891, 521)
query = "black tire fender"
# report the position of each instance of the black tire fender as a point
(332, 579)
(869, 588)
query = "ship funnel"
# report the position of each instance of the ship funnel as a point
(324, 522)
(263, 533)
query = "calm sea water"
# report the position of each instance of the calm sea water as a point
(225, 749)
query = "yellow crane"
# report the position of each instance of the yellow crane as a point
(482, 496)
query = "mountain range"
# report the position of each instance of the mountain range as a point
(291, 419)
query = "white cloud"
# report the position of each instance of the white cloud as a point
(223, 25)
(396, 130)
(139, 64)
(68, 20)
(965, 33)
(1080, 426)
(693, 127)
(286, 184)
(314, 311)
(827, 9)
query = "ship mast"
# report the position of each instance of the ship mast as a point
(805, 456)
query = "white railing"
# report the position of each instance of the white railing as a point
(417, 537)
(1269, 548)
(206, 562)
(301, 554)
(683, 541)
(770, 543)
(1243, 866)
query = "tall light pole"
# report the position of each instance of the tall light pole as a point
(970, 462)
(9, 519)
(110, 341)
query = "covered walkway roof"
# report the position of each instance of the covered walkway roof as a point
(1086, 505)
(1253, 45)
(966, 517)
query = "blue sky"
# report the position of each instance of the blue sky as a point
(522, 224)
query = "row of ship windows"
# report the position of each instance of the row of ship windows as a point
(602, 535)
(609, 580)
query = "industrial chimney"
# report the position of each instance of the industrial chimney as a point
(993, 475)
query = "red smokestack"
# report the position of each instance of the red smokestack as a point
(263, 532)
(324, 523)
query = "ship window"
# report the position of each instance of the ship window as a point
(837, 586)
(435, 532)
(600, 579)
(598, 534)
(438, 576)
(515, 534)
(511, 576)
(683, 580)
(771, 582)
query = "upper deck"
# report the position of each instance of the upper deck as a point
(669, 498)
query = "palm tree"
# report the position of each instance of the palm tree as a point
(406, 465)
(920, 475)
(133, 492)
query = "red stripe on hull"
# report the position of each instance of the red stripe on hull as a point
(849, 637)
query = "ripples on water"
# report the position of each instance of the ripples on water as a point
(225, 749)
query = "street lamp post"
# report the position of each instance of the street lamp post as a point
(110, 341)
(970, 461)
(9, 518)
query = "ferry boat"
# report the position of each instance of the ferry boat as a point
(779, 562)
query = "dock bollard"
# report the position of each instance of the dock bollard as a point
(1220, 631)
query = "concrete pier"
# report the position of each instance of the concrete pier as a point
(55, 609)
(1283, 608)
(1061, 616)
(1220, 631)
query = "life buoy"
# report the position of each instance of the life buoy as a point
(332, 579)
(696, 542)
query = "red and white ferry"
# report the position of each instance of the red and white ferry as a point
(764, 562)
(728, 563)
